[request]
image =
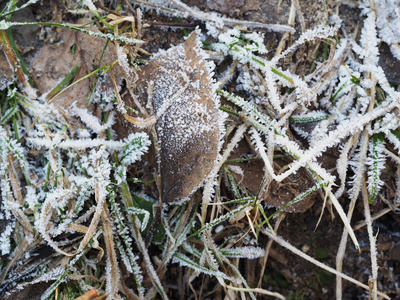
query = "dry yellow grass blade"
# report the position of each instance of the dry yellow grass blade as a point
(112, 265)
(92, 294)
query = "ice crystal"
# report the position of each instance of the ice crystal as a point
(5, 243)
(91, 121)
(376, 162)
(4, 25)
(247, 252)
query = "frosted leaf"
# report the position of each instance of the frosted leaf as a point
(376, 163)
(246, 252)
(187, 116)
(137, 145)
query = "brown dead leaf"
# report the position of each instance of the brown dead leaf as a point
(225, 6)
(54, 62)
(253, 4)
(93, 294)
(187, 116)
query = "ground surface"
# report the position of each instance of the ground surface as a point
(284, 272)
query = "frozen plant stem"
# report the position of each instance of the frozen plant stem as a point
(112, 37)
(372, 241)
(354, 196)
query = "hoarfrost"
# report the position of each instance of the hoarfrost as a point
(4, 25)
(5, 82)
(244, 252)
(185, 261)
(90, 120)
(90, 5)
(5, 242)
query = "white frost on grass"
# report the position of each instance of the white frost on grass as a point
(376, 164)
(369, 42)
(244, 252)
(5, 238)
(90, 5)
(15, 9)
(185, 261)
(140, 138)
(320, 32)
(90, 167)
(4, 25)
(388, 24)
(90, 120)
(130, 41)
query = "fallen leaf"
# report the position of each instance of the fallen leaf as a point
(253, 4)
(92, 294)
(53, 63)
(187, 113)
(225, 6)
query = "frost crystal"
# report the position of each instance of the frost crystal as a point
(5, 236)
(4, 25)
(90, 120)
